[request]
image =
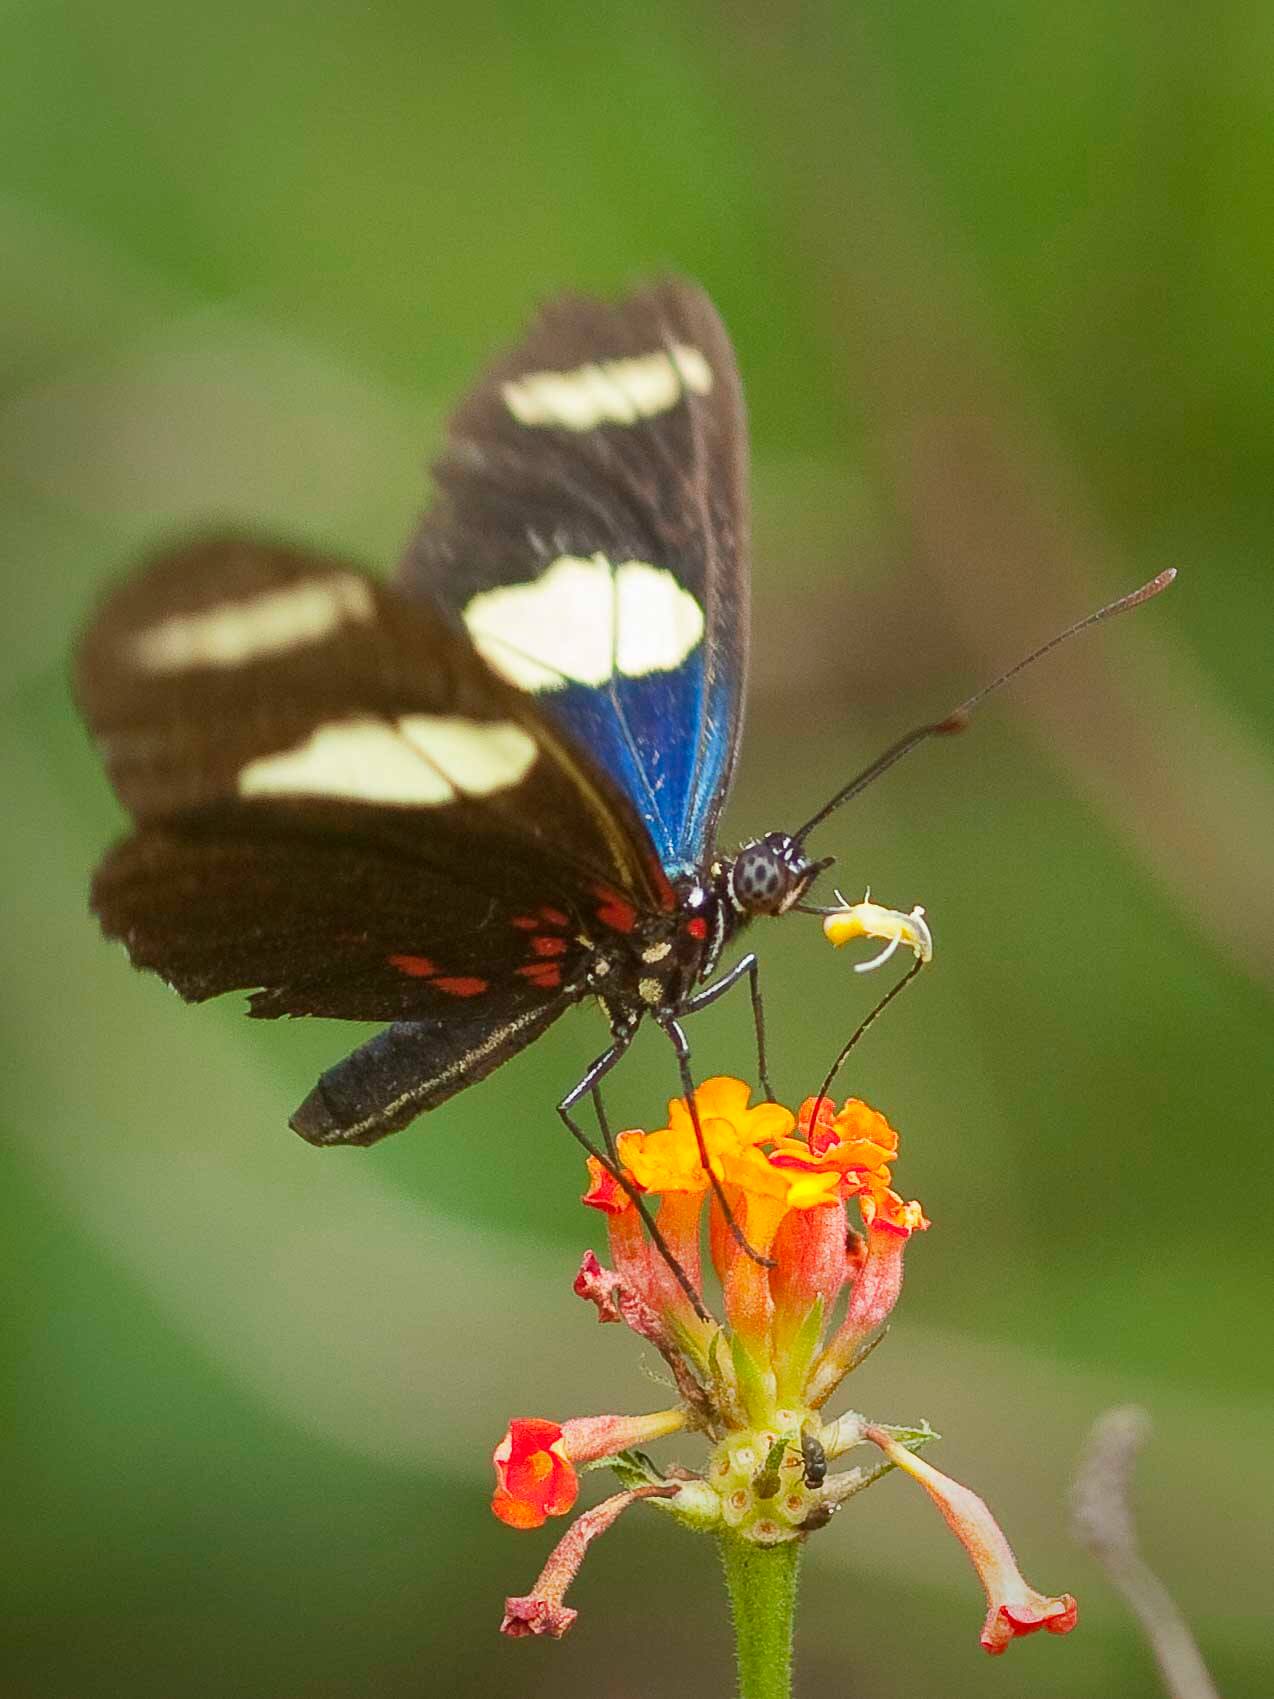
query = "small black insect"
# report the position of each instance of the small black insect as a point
(814, 1459)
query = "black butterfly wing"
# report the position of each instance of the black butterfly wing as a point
(341, 808)
(591, 532)
(332, 925)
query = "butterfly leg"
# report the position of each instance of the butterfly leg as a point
(603, 1123)
(592, 1077)
(681, 1045)
(590, 1083)
(749, 966)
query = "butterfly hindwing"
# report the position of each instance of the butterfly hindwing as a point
(413, 1066)
(590, 530)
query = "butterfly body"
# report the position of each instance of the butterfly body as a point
(466, 799)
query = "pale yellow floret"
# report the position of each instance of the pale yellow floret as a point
(871, 920)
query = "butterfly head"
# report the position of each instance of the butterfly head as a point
(770, 875)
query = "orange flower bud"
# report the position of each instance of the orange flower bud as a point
(1014, 1607)
(542, 1611)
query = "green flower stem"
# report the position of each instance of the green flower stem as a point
(761, 1581)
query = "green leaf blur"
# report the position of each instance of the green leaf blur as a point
(999, 282)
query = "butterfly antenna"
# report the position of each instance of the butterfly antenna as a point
(959, 716)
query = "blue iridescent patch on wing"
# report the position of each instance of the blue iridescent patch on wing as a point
(647, 733)
(716, 738)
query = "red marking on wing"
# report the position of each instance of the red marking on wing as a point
(614, 911)
(463, 986)
(698, 927)
(419, 967)
(555, 917)
(524, 922)
(545, 974)
(548, 946)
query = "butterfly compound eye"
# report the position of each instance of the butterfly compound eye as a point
(761, 880)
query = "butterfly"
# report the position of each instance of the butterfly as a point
(467, 799)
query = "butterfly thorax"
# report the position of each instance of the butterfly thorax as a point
(656, 966)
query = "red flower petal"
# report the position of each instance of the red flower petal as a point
(1007, 1623)
(529, 1615)
(604, 1190)
(534, 1478)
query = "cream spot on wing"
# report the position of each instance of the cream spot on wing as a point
(230, 633)
(560, 627)
(362, 760)
(417, 760)
(693, 368)
(609, 392)
(659, 622)
(650, 991)
(478, 757)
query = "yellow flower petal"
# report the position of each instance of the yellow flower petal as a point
(723, 1096)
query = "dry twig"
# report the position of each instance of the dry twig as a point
(1103, 1524)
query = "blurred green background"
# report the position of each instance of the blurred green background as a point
(999, 282)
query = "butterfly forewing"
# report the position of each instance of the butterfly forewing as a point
(328, 924)
(340, 805)
(590, 531)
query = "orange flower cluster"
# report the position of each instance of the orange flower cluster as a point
(786, 1179)
(755, 1384)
